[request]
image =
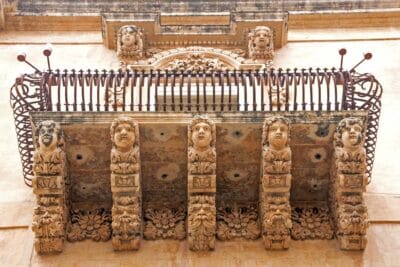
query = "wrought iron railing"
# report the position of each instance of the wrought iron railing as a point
(164, 91)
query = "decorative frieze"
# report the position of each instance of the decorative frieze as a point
(275, 185)
(201, 184)
(125, 184)
(348, 184)
(49, 168)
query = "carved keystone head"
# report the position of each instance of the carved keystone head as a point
(276, 132)
(124, 133)
(129, 36)
(349, 133)
(261, 38)
(48, 135)
(201, 133)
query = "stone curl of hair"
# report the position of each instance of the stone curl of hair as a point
(268, 122)
(49, 124)
(198, 119)
(120, 120)
(342, 126)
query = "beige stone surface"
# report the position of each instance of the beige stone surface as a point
(382, 194)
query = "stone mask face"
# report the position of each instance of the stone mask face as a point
(201, 135)
(124, 136)
(278, 135)
(47, 137)
(261, 39)
(128, 37)
(352, 136)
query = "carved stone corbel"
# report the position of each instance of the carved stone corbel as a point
(125, 185)
(275, 184)
(348, 184)
(49, 168)
(201, 184)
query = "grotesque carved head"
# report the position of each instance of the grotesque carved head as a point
(48, 135)
(353, 218)
(201, 133)
(278, 215)
(124, 133)
(276, 132)
(202, 211)
(349, 133)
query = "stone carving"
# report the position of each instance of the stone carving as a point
(130, 45)
(201, 184)
(165, 223)
(237, 222)
(196, 63)
(261, 44)
(311, 223)
(275, 184)
(49, 158)
(201, 223)
(49, 168)
(348, 184)
(125, 184)
(93, 224)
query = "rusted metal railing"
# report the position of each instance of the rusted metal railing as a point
(166, 91)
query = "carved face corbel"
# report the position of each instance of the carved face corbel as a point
(276, 133)
(48, 136)
(261, 38)
(201, 134)
(350, 134)
(123, 134)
